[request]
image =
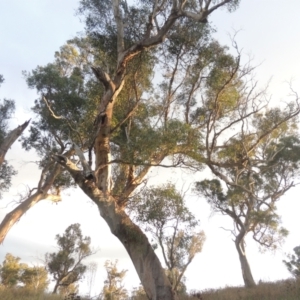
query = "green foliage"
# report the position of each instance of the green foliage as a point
(71, 98)
(10, 270)
(163, 212)
(6, 173)
(35, 278)
(13, 273)
(65, 96)
(200, 109)
(7, 108)
(139, 293)
(257, 166)
(113, 288)
(66, 265)
(64, 114)
(293, 265)
(212, 190)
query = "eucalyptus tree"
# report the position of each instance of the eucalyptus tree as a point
(135, 123)
(201, 109)
(66, 265)
(35, 278)
(14, 273)
(249, 146)
(163, 213)
(252, 151)
(113, 288)
(10, 271)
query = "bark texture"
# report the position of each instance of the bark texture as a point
(10, 139)
(147, 264)
(98, 187)
(41, 194)
(246, 271)
(55, 288)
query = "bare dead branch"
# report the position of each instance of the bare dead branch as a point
(11, 137)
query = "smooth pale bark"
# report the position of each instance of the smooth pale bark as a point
(246, 271)
(147, 264)
(41, 194)
(10, 139)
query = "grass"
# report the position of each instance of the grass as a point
(21, 294)
(280, 290)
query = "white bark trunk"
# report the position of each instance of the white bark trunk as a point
(246, 271)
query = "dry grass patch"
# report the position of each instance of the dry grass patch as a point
(280, 290)
(21, 294)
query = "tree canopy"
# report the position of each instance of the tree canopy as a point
(66, 265)
(148, 86)
(13, 274)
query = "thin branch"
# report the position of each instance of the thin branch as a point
(51, 111)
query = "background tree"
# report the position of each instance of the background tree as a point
(66, 265)
(113, 288)
(163, 213)
(10, 271)
(65, 290)
(35, 278)
(14, 273)
(252, 151)
(91, 275)
(293, 265)
(139, 293)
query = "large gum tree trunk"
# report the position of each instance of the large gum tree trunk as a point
(146, 263)
(246, 271)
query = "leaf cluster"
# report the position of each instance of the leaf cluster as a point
(293, 264)
(66, 265)
(162, 212)
(13, 273)
(7, 108)
(113, 287)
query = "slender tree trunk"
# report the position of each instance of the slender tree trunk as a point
(55, 287)
(10, 139)
(246, 271)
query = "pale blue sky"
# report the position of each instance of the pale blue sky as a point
(32, 30)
